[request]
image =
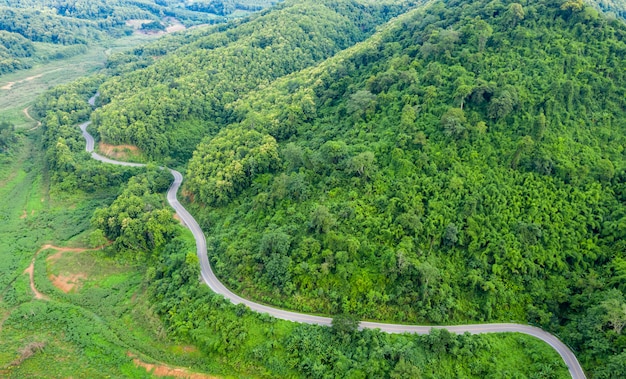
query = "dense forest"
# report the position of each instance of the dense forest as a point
(465, 163)
(231, 339)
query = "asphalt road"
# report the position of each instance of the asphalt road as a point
(216, 286)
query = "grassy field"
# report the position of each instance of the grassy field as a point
(18, 90)
(98, 327)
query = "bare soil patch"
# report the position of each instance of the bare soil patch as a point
(24, 214)
(165, 370)
(67, 283)
(177, 217)
(118, 151)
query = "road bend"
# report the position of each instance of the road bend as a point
(216, 286)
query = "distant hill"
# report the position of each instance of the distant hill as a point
(617, 7)
(60, 22)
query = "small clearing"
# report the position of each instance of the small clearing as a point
(118, 151)
(24, 214)
(64, 282)
(164, 370)
(67, 283)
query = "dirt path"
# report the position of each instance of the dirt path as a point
(9, 85)
(28, 116)
(30, 270)
(164, 370)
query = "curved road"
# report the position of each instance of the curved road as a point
(216, 286)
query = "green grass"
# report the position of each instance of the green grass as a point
(86, 333)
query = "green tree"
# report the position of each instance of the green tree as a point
(615, 308)
(363, 165)
(360, 103)
(454, 123)
(345, 324)
(322, 221)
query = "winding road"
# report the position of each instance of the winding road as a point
(216, 286)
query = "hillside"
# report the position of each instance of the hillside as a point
(465, 164)
(181, 97)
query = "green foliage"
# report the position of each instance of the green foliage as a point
(7, 136)
(617, 7)
(464, 163)
(73, 25)
(345, 324)
(230, 162)
(14, 47)
(227, 7)
(255, 344)
(60, 110)
(152, 26)
(138, 220)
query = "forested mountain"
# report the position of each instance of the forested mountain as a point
(465, 163)
(79, 23)
(167, 107)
